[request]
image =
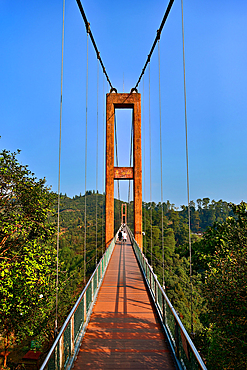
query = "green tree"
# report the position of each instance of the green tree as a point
(223, 252)
(27, 257)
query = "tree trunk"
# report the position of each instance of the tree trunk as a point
(6, 353)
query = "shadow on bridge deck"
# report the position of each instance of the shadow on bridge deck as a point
(124, 331)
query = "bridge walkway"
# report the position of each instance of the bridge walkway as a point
(124, 331)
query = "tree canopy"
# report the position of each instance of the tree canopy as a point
(222, 255)
(27, 256)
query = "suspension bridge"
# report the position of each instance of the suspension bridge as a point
(123, 318)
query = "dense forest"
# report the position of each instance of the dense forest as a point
(217, 322)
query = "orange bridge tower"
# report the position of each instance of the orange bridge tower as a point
(132, 101)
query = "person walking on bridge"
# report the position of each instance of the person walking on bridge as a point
(120, 235)
(124, 236)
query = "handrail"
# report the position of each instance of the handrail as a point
(184, 350)
(67, 343)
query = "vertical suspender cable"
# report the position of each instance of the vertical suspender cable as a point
(59, 174)
(150, 156)
(131, 150)
(187, 166)
(97, 154)
(116, 151)
(144, 170)
(103, 199)
(161, 170)
(85, 210)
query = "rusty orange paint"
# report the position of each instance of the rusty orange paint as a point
(123, 173)
(123, 101)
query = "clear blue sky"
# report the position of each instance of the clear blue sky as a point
(216, 77)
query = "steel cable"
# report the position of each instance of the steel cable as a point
(131, 151)
(150, 157)
(97, 154)
(116, 152)
(161, 168)
(155, 41)
(103, 201)
(87, 25)
(187, 165)
(59, 176)
(85, 214)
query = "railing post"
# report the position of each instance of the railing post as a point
(72, 334)
(92, 285)
(85, 306)
(163, 310)
(155, 290)
(97, 272)
(61, 351)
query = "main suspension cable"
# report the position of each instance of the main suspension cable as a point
(87, 25)
(59, 176)
(155, 41)
(187, 167)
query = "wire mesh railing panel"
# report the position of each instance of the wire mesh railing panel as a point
(170, 322)
(88, 297)
(67, 344)
(152, 284)
(99, 273)
(160, 300)
(186, 355)
(148, 275)
(95, 283)
(78, 319)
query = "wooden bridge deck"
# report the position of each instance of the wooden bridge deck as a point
(124, 332)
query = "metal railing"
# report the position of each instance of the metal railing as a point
(184, 351)
(67, 343)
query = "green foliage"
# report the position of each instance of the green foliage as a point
(72, 245)
(176, 264)
(223, 254)
(28, 260)
(26, 253)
